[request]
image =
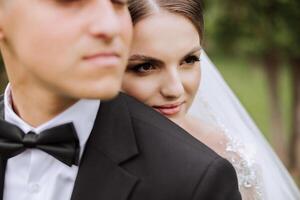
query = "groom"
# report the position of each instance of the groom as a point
(58, 141)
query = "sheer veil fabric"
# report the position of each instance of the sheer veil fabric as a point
(261, 174)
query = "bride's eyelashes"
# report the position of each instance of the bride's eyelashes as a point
(143, 65)
(143, 68)
(149, 66)
(116, 2)
(67, 2)
(190, 61)
(120, 2)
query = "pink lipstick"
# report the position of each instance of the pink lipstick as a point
(169, 109)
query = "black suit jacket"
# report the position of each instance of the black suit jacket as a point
(134, 153)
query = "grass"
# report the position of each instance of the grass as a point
(249, 84)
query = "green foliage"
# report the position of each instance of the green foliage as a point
(254, 28)
(244, 33)
(289, 21)
(253, 92)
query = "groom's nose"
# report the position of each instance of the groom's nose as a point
(104, 19)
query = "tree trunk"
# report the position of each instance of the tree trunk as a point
(294, 147)
(272, 70)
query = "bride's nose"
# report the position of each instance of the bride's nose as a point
(171, 85)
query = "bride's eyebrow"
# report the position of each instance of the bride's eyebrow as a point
(143, 58)
(194, 50)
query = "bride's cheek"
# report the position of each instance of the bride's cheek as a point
(191, 81)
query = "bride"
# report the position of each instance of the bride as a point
(169, 71)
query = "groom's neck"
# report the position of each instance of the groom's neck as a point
(37, 107)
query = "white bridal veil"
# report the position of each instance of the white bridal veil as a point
(215, 103)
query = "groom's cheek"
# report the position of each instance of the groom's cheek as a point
(127, 26)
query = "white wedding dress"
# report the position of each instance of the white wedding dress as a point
(260, 173)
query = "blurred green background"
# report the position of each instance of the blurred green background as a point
(256, 46)
(248, 82)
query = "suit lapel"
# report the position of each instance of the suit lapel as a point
(111, 143)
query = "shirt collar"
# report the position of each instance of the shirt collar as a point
(83, 121)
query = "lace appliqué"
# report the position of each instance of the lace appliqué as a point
(247, 169)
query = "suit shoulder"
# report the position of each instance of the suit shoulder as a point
(166, 150)
(151, 125)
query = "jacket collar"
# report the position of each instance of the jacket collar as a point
(111, 143)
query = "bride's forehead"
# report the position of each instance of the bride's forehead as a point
(160, 39)
(165, 26)
(165, 18)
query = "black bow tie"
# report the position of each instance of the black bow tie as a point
(61, 142)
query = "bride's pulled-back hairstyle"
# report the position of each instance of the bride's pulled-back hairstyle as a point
(191, 9)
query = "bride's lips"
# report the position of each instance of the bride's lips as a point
(169, 109)
(103, 59)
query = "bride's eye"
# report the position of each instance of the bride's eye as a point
(120, 2)
(69, 2)
(190, 60)
(143, 68)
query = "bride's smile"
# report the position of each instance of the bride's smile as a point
(169, 109)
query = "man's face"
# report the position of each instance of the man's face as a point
(73, 48)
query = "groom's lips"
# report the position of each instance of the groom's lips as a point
(103, 59)
(169, 109)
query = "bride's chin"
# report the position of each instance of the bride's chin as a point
(179, 119)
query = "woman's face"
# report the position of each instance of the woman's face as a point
(163, 70)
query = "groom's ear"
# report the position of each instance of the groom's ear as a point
(2, 15)
(1, 20)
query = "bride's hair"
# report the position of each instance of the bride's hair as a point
(191, 9)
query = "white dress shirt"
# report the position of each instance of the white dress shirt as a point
(36, 175)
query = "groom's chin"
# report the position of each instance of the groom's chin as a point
(104, 90)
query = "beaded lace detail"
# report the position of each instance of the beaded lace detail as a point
(236, 152)
(247, 170)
